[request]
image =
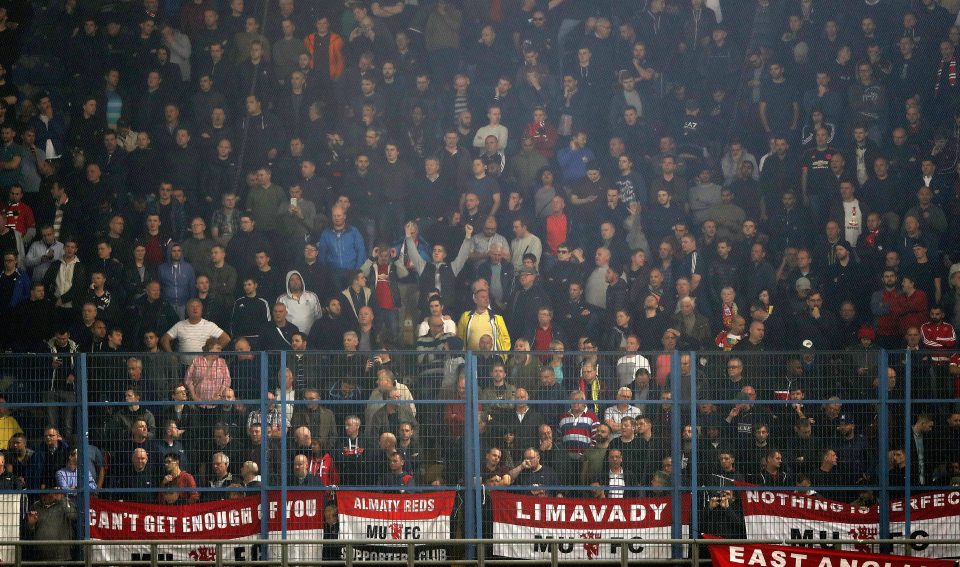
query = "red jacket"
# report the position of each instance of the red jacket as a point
(939, 336)
(911, 311)
(887, 324)
(544, 138)
(18, 216)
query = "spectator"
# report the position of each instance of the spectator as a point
(177, 478)
(52, 517)
(577, 426)
(193, 332)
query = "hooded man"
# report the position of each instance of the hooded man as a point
(303, 307)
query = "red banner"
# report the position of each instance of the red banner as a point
(781, 556)
(222, 519)
(233, 520)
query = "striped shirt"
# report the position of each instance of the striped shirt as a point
(191, 337)
(577, 431)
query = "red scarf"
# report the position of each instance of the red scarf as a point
(951, 75)
(726, 315)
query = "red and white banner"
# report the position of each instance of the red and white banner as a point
(233, 520)
(780, 556)
(395, 519)
(521, 516)
(793, 515)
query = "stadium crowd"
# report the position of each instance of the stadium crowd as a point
(574, 176)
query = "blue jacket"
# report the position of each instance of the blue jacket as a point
(176, 288)
(573, 164)
(21, 288)
(342, 250)
(55, 130)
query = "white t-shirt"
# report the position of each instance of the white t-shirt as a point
(191, 338)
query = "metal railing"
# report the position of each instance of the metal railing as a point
(892, 408)
(155, 558)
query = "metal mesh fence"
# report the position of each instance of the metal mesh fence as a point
(761, 443)
(517, 439)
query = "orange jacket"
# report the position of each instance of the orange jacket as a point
(335, 58)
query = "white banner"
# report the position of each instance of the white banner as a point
(520, 516)
(10, 514)
(234, 520)
(792, 515)
(391, 518)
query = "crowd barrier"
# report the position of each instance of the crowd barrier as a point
(893, 481)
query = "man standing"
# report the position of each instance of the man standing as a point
(278, 334)
(482, 321)
(577, 426)
(14, 287)
(528, 299)
(43, 252)
(53, 517)
(193, 332)
(524, 242)
(65, 280)
(938, 335)
(223, 276)
(177, 279)
(303, 307)
(341, 247)
(18, 215)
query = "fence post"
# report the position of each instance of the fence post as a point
(907, 441)
(83, 439)
(676, 451)
(883, 445)
(694, 463)
(473, 496)
(282, 377)
(264, 455)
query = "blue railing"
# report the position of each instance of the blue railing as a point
(685, 479)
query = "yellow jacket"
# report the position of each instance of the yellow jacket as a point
(501, 337)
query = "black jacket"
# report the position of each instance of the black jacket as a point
(522, 313)
(78, 288)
